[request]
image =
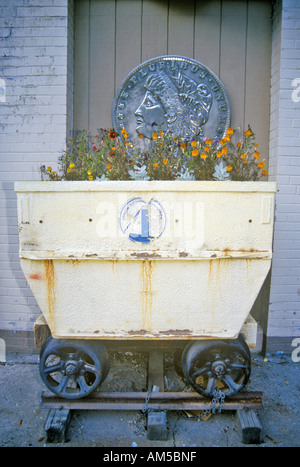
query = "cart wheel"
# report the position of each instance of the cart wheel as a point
(72, 368)
(217, 364)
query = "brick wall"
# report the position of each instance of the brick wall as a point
(284, 312)
(34, 121)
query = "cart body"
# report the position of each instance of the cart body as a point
(145, 260)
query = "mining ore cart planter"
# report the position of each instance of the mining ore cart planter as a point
(158, 262)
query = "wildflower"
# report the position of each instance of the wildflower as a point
(256, 155)
(239, 144)
(182, 146)
(194, 144)
(224, 151)
(203, 155)
(111, 154)
(229, 132)
(248, 133)
(195, 152)
(245, 162)
(209, 141)
(108, 166)
(226, 139)
(176, 140)
(89, 172)
(155, 164)
(264, 173)
(165, 161)
(219, 154)
(207, 148)
(112, 134)
(91, 177)
(261, 165)
(94, 147)
(124, 133)
(49, 169)
(141, 136)
(154, 135)
(72, 165)
(222, 141)
(243, 156)
(161, 133)
(228, 168)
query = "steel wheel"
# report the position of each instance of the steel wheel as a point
(219, 364)
(72, 368)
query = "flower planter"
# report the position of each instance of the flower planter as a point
(145, 260)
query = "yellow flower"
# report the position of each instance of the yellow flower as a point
(49, 169)
(245, 162)
(195, 152)
(256, 155)
(261, 165)
(228, 168)
(239, 144)
(226, 139)
(155, 164)
(154, 135)
(141, 136)
(248, 133)
(161, 133)
(165, 161)
(203, 155)
(124, 133)
(90, 177)
(207, 148)
(72, 165)
(209, 141)
(229, 131)
(182, 146)
(219, 154)
(193, 144)
(264, 173)
(243, 156)
(89, 172)
(108, 166)
(222, 142)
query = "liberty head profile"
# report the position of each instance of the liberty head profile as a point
(175, 103)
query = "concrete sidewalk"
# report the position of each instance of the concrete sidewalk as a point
(23, 419)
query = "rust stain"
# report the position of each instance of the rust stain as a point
(140, 332)
(145, 255)
(113, 262)
(147, 270)
(50, 284)
(176, 332)
(183, 254)
(37, 276)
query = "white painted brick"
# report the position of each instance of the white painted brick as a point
(284, 307)
(34, 39)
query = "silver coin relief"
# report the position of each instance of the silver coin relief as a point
(172, 93)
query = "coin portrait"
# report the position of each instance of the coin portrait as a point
(171, 93)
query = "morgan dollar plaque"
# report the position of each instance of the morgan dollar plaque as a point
(173, 93)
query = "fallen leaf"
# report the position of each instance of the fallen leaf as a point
(271, 439)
